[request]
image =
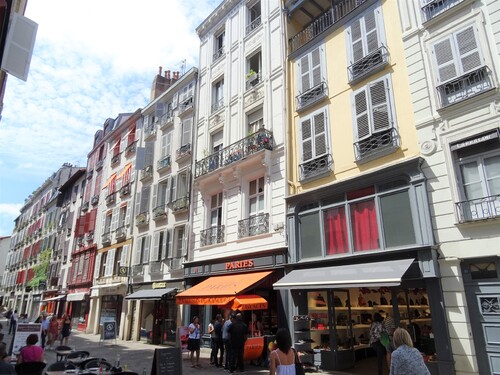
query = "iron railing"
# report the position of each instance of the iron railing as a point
(261, 140)
(130, 148)
(180, 204)
(316, 167)
(155, 267)
(436, 7)
(106, 238)
(218, 104)
(467, 86)
(368, 64)
(90, 174)
(99, 165)
(94, 200)
(254, 225)
(376, 144)
(142, 219)
(111, 198)
(166, 118)
(147, 173)
(253, 80)
(160, 212)
(183, 151)
(116, 158)
(212, 236)
(125, 190)
(479, 209)
(164, 163)
(323, 23)
(218, 54)
(149, 131)
(253, 25)
(121, 232)
(137, 270)
(311, 96)
(186, 104)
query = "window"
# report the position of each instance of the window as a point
(254, 70)
(311, 78)
(256, 196)
(102, 268)
(186, 132)
(149, 154)
(123, 215)
(314, 144)
(166, 144)
(460, 68)
(118, 260)
(115, 150)
(255, 121)
(141, 254)
(143, 200)
(107, 222)
(179, 247)
(366, 39)
(254, 19)
(372, 218)
(180, 186)
(216, 210)
(163, 194)
(374, 121)
(160, 245)
(219, 45)
(478, 169)
(218, 95)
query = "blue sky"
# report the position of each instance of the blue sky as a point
(93, 59)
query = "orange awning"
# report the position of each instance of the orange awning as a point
(249, 302)
(113, 176)
(125, 170)
(219, 290)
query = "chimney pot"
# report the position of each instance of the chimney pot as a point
(167, 74)
(159, 70)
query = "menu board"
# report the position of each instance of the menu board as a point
(23, 330)
(167, 362)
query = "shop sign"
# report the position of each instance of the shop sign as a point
(159, 285)
(240, 264)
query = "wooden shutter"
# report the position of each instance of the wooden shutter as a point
(127, 214)
(145, 250)
(138, 203)
(115, 218)
(356, 41)
(320, 142)
(379, 105)
(187, 124)
(154, 202)
(184, 241)
(110, 259)
(92, 219)
(149, 154)
(445, 60)
(169, 241)
(173, 190)
(305, 80)
(361, 113)
(163, 147)
(156, 247)
(97, 266)
(123, 259)
(136, 256)
(306, 139)
(146, 192)
(160, 109)
(468, 49)
(316, 73)
(371, 32)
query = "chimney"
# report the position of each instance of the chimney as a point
(159, 70)
(160, 84)
(167, 74)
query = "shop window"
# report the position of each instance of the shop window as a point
(310, 239)
(487, 270)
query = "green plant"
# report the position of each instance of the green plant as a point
(41, 268)
(250, 73)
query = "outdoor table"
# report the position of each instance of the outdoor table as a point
(76, 371)
(61, 354)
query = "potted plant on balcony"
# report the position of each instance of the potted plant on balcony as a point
(251, 76)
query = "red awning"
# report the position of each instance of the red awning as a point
(248, 302)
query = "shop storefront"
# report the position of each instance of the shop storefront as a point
(54, 304)
(241, 285)
(156, 312)
(106, 305)
(78, 308)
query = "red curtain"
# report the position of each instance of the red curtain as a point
(364, 226)
(336, 231)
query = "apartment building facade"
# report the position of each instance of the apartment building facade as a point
(452, 50)
(357, 210)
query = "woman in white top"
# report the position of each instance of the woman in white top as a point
(282, 360)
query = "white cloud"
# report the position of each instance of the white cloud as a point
(8, 212)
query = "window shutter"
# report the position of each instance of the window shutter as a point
(168, 144)
(186, 131)
(114, 219)
(147, 245)
(320, 134)
(361, 111)
(168, 189)
(445, 61)
(156, 244)
(137, 252)
(127, 215)
(160, 109)
(356, 41)
(97, 265)
(371, 32)
(316, 67)
(173, 184)
(155, 196)
(468, 49)
(149, 155)
(306, 133)
(169, 241)
(184, 241)
(110, 260)
(123, 259)
(146, 191)
(304, 74)
(123, 142)
(163, 148)
(380, 109)
(138, 203)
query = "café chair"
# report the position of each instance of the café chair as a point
(77, 356)
(60, 366)
(62, 351)
(30, 368)
(97, 363)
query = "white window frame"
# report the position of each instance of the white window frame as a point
(314, 136)
(216, 213)
(259, 196)
(316, 70)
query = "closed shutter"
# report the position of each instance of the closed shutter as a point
(145, 194)
(136, 256)
(316, 67)
(97, 266)
(145, 250)
(163, 148)
(306, 138)
(380, 108)
(160, 109)
(304, 79)
(155, 197)
(173, 190)
(123, 259)
(320, 144)
(110, 260)
(468, 49)
(361, 113)
(445, 61)
(114, 219)
(186, 131)
(138, 203)
(169, 241)
(127, 215)
(156, 247)
(149, 154)
(371, 33)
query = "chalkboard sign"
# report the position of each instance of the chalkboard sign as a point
(108, 331)
(167, 362)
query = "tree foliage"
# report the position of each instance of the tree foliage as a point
(41, 268)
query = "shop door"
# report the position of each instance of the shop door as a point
(483, 299)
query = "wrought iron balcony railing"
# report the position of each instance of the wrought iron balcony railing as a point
(323, 23)
(147, 173)
(367, 65)
(254, 225)
(160, 212)
(186, 105)
(167, 118)
(218, 104)
(316, 167)
(85, 206)
(376, 145)
(137, 270)
(89, 237)
(99, 165)
(130, 149)
(467, 86)
(253, 25)
(183, 151)
(180, 204)
(212, 236)
(479, 209)
(261, 140)
(142, 219)
(252, 80)
(436, 7)
(94, 200)
(164, 163)
(149, 131)
(106, 238)
(116, 158)
(218, 54)
(90, 174)
(111, 198)
(311, 96)
(121, 232)
(125, 190)
(155, 267)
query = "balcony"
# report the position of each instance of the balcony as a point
(253, 25)
(183, 152)
(160, 212)
(218, 54)
(142, 219)
(147, 173)
(252, 80)
(106, 238)
(479, 209)
(166, 119)
(85, 206)
(376, 145)
(155, 267)
(125, 190)
(90, 174)
(261, 140)
(186, 106)
(111, 198)
(138, 270)
(94, 200)
(324, 22)
(80, 241)
(164, 164)
(467, 86)
(311, 96)
(368, 65)
(116, 159)
(130, 149)
(316, 167)
(254, 225)
(89, 237)
(99, 165)
(218, 104)
(435, 7)
(212, 236)
(149, 131)
(179, 205)
(121, 233)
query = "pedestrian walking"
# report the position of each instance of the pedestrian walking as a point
(45, 328)
(194, 342)
(13, 322)
(52, 332)
(66, 329)
(213, 342)
(406, 360)
(226, 339)
(282, 359)
(239, 333)
(219, 344)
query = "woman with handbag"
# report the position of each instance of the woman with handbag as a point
(284, 360)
